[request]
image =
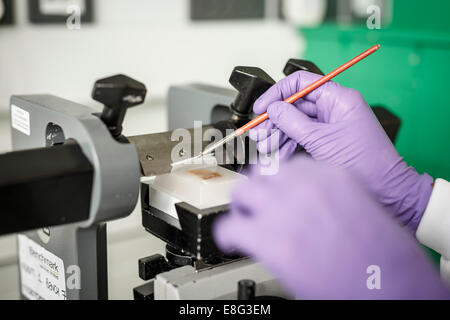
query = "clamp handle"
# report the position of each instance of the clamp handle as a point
(251, 83)
(294, 65)
(118, 93)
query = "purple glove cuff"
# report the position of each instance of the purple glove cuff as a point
(405, 193)
(423, 194)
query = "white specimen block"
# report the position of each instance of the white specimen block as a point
(202, 186)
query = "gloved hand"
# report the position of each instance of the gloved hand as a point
(319, 232)
(334, 124)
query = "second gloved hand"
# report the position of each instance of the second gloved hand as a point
(334, 124)
(323, 236)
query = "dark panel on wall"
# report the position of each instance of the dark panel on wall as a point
(227, 9)
(37, 16)
(6, 12)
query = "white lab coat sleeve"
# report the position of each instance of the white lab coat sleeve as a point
(434, 228)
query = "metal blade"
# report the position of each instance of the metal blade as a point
(155, 151)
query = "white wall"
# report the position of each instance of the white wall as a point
(151, 40)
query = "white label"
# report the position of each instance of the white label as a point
(41, 272)
(20, 120)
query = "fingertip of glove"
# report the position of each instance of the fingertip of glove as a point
(263, 148)
(253, 134)
(260, 105)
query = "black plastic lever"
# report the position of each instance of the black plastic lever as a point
(118, 93)
(251, 83)
(294, 65)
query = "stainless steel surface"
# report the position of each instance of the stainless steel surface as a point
(218, 144)
(207, 151)
(155, 151)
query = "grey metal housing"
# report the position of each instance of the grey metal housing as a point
(115, 186)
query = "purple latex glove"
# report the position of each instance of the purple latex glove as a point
(334, 124)
(318, 231)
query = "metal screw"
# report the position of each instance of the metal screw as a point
(149, 157)
(182, 153)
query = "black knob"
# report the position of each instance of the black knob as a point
(118, 93)
(251, 83)
(246, 290)
(150, 267)
(145, 292)
(294, 65)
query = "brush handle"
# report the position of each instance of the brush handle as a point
(313, 86)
